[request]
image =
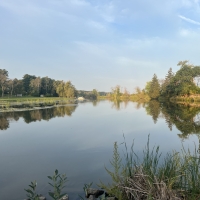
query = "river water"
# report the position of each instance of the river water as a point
(78, 140)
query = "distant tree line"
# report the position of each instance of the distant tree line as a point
(185, 82)
(31, 85)
(119, 93)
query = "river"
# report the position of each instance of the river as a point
(78, 140)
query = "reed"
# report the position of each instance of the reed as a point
(175, 176)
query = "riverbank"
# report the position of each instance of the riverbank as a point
(32, 108)
(28, 104)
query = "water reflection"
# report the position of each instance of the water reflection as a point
(118, 104)
(81, 145)
(35, 115)
(153, 108)
(184, 117)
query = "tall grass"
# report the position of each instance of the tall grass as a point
(174, 176)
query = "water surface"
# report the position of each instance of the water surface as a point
(78, 140)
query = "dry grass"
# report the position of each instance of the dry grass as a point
(143, 187)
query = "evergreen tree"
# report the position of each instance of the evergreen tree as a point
(154, 90)
(165, 89)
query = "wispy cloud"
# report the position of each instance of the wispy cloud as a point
(189, 20)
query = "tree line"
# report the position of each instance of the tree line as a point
(31, 85)
(185, 82)
(35, 86)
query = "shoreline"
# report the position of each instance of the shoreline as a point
(33, 108)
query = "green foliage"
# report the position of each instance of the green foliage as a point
(165, 87)
(116, 163)
(172, 176)
(182, 83)
(3, 80)
(147, 87)
(58, 183)
(66, 89)
(26, 80)
(140, 95)
(85, 189)
(154, 90)
(31, 191)
(116, 93)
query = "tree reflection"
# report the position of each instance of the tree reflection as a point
(4, 123)
(116, 104)
(153, 109)
(95, 103)
(35, 115)
(185, 118)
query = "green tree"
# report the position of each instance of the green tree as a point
(165, 87)
(60, 88)
(147, 87)
(154, 90)
(3, 80)
(66, 89)
(17, 86)
(26, 80)
(70, 90)
(183, 82)
(95, 94)
(116, 93)
(35, 86)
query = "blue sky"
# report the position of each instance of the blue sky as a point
(98, 43)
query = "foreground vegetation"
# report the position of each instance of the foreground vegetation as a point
(154, 176)
(174, 176)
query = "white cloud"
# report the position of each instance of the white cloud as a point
(189, 20)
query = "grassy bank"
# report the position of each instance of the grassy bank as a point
(175, 176)
(29, 98)
(10, 104)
